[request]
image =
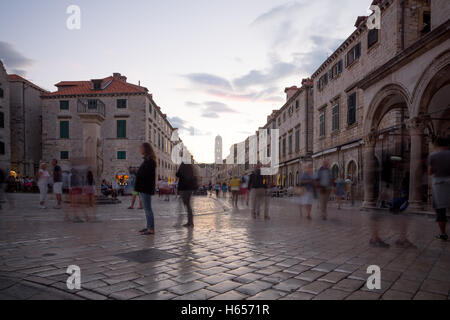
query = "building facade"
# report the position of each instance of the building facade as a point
(26, 125)
(104, 121)
(382, 97)
(295, 124)
(5, 132)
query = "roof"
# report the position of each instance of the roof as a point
(110, 85)
(17, 78)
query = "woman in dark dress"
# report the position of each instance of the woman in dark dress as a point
(145, 185)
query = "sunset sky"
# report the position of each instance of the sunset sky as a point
(214, 66)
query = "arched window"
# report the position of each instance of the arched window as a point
(352, 170)
(335, 171)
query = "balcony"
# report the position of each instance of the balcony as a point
(91, 107)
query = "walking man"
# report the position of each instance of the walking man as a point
(57, 183)
(323, 183)
(258, 188)
(187, 183)
(439, 168)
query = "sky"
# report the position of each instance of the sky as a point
(215, 67)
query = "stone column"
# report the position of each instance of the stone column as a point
(369, 171)
(91, 137)
(416, 131)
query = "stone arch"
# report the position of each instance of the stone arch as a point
(383, 102)
(335, 170)
(435, 76)
(353, 175)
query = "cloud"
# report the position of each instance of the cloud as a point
(184, 126)
(192, 104)
(13, 59)
(275, 72)
(207, 79)
(278, 12)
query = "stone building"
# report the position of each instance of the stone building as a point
(104, 121)
(295, 124)
(385, 83)
(26, 120)
(5, 140)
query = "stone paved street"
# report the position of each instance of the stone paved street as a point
(227, 256)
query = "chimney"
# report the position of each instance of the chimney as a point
(360, 20)
(307, 82)
(290, 92)
(120, 77)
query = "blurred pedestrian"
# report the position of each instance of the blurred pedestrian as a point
(43, 178)
(339, 187)
(145, 185)
(307, 183)
(217, 189)
(439, 168)
(89, 191)
(244, 189)
(323, 184)
(187, 184)
(235, 185)
(134, 193)
(57, 183)
(258, 190)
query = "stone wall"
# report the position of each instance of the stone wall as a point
(5, 109)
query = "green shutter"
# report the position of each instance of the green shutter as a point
(121, 103)
(64, 105)
(64, 155)
(121, 155)
(64, 129)
(121, 128)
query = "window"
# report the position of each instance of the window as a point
(150, 108)
(297, 104)
(64, 129)
(2, 148)
(121, 103)
(64, 105)
(322, 124)
(372, 37)
(154, 114)
(351, 111)
(336, 69)
(335, 118)
(1, 93)
(121, 155)
(353, 54)
(284, 116)
(121, 129)
(92, 104)
(290, 144)
(64, 155)
(426, 22)
(297, 140)
(284, 146)
(279, 121)
(323, 81)
(159, 140)
(2, 120)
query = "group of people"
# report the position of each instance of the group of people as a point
(144, 185)
(81, 191)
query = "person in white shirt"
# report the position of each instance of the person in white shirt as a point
(42, 182)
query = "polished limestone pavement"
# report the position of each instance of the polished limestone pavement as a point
(228, 255)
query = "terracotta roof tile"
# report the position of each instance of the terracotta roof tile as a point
(109, 85)
(17, 78)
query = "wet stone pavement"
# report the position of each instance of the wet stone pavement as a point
(228, 255)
